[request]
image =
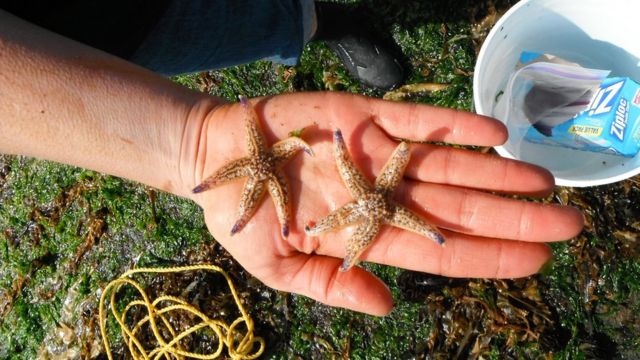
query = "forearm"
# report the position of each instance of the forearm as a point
(63, 101)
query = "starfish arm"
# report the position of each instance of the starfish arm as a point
(230, 171)
(336, 220)
(255, 138)
(279, 189)
(393, 170)
(408, 220)
(362, 238)
(351, 176)
(285, 149)
(252, 193)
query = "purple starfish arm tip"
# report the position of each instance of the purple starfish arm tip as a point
(243, 100)
(285, 230)
(345, 265)
(236, 227)
(438, 238)
(198, 189)
(337, 134)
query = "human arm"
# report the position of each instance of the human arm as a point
(105, 114)
(66, 102)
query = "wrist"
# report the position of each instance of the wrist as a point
(194, 138)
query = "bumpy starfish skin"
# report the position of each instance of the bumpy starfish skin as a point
(263, 169)
(372, 206)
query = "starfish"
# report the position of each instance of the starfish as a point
(372, 206)
(263, 169)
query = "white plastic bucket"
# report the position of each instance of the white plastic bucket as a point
(594, 33)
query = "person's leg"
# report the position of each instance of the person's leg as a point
(115, 26)
(197, 35)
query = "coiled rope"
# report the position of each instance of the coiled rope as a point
(158, 318)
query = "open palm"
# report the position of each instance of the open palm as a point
(487, 235)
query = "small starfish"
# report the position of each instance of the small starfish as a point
(372, 206)
(263, 169)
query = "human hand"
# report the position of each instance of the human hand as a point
(486, 235)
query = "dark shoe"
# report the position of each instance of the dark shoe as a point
(365, 57)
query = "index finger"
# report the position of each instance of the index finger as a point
(430, 123)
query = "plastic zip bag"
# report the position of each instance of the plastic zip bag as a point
(544, 93)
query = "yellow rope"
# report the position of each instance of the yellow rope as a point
(238, 346)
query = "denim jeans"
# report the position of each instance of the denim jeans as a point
(198, 35)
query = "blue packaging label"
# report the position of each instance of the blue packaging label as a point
(610, 124)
